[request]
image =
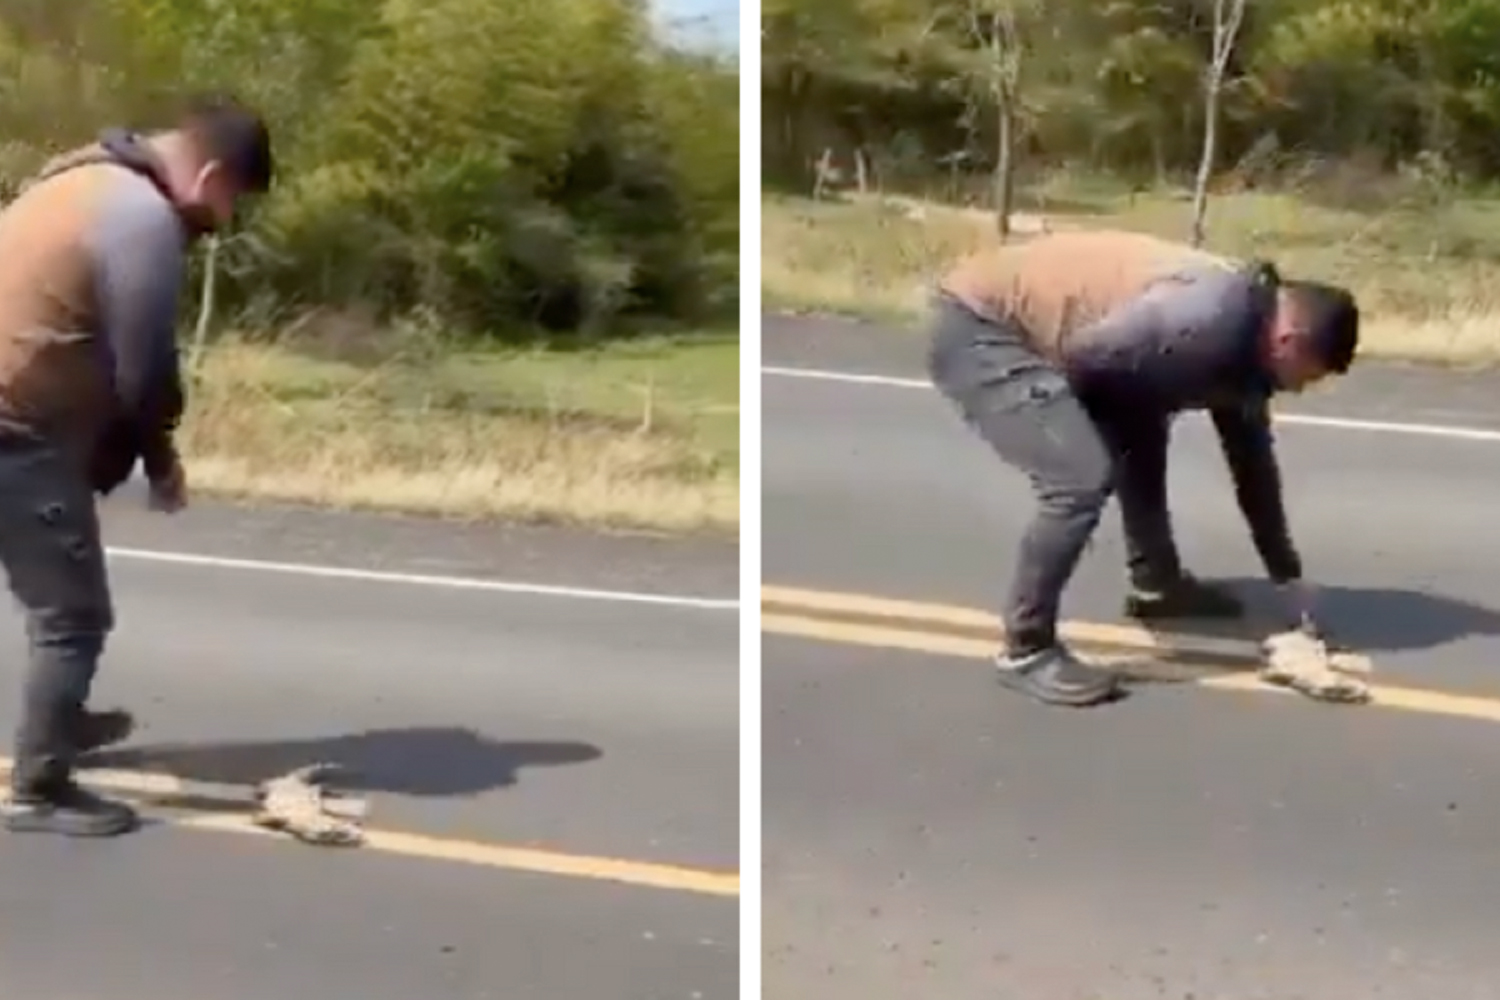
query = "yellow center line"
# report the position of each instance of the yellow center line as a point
(1131, 637)
(926, 628)
(225, 809)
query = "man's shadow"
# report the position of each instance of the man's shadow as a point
(1369, 619)
(433, 762)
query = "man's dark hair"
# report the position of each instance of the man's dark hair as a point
(234, 135)
(1332, 318)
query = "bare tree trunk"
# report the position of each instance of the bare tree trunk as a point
(1005, 170)
(1005, 45)
(1228, 14)
(823, 174)
(1206, 161)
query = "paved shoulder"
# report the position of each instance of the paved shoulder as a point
(554, 556)
(844, 345)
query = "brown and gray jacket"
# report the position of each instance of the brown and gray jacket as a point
(1131, 318)
(1145, 328)
(92, 257)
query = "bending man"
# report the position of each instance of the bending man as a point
(1070, 354)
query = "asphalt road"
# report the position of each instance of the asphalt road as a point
(927, 834)
(553, 772)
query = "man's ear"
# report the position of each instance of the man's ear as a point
(208, 175)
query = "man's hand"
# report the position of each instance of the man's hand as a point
(168, 492)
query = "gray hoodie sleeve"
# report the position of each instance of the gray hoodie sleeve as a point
(1245, 437)
(140, 262)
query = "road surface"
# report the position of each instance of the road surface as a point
(553, 770)
(928, 834)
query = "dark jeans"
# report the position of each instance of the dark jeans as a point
(53, 554)
(1076, 457)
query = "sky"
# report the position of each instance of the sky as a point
(715, 20)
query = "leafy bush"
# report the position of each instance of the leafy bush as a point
(502, 167)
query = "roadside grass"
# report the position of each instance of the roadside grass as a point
(633, 435)
(1427, 275)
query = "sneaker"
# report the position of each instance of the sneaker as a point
(97, 730)
(68, 809)
(1056, 677)
(1186, 597)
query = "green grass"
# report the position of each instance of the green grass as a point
(687, 383)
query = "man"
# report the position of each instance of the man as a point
(92, 258)
(1070, 354)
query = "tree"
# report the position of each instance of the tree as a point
(985, 43)
(993, 25)
(1228, 16)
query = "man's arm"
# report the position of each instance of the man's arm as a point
(140, 260)
(1248, 445)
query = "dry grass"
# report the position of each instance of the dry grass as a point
(1429, 277)
(640, 436)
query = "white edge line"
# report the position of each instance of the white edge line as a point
(1295, 419)
(420, 580)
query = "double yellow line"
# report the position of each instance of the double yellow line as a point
(224, 808)
(1223, 663)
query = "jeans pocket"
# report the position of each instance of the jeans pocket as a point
(1004, 383)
